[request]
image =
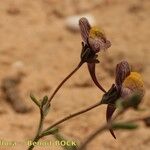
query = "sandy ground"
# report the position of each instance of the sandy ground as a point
(33, 37)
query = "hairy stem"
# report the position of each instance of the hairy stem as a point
(41, 133)
(36, 139)
(40, 123)
(40, 127)
(60, 85)
(72, 116)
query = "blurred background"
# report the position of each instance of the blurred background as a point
(40, 44)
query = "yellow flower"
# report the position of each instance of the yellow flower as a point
(135, 83)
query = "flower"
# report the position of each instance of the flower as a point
(93, 37)
(94, 40)
(127, 84)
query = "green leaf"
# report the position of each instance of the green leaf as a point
(46, 109)
(44, 101)
(45, 105)
(141, 109)
(124, 126)
(35, 100)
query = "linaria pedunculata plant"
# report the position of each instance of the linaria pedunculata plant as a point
(126, 93)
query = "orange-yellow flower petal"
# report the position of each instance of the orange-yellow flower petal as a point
(135, 83)
(96, 32)
(97, 40)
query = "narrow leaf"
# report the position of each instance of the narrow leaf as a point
(35, 100)
(44, 101)
(124, 126)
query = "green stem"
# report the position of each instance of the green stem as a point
(60, 85)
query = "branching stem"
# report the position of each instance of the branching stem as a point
(41, 133)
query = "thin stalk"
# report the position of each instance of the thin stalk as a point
(39, 130)
(36, 139)
(40, 123)
(72, 116)
(44, 133)
(60, 85)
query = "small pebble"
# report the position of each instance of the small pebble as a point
(18, 64)
(18, 68)
(13, 10)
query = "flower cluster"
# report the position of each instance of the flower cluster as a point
(126, 82)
